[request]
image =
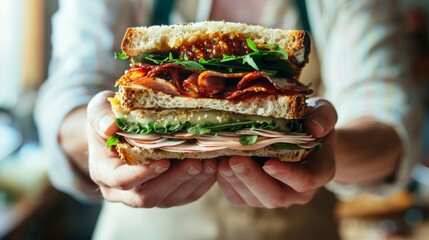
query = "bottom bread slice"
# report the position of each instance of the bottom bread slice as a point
(135, 155)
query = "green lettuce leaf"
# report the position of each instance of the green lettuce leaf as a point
(121, 55)
(197, 129)
(248, 140)
(112, 141)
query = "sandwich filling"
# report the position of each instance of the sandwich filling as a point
(258, 72)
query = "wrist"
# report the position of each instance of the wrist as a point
(72, 138)
(366, 151)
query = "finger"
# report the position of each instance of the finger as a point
(193, 188)
(318, 169)
(202, 189)
(228, 191)
(157, 189)
(100, 115)
(268, 191)
(128, 197)
(107, 169)
(236, 183)
(129, 176)
(322, 119)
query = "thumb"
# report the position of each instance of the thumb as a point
(100, 115)
(322, 118)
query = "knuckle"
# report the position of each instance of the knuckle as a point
(121, 185)
(307, 185)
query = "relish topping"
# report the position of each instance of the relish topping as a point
(214, 46)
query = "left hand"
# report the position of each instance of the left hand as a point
(281, 184)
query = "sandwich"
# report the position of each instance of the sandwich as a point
(212, 89)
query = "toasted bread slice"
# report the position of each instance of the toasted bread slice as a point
(172, 38)
(288, 107)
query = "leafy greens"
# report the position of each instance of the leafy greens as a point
(271, 60)
(197, 129)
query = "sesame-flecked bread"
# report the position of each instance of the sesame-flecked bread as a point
(135, 155)
(288, 107)
(220, 34)
(168, 109)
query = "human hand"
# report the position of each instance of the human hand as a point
(280, 184)
(162, 183)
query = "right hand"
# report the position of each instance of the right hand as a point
(162, 183)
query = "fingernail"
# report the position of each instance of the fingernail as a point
(227, 173)
(209, 170)
(105, 122)
(270, 170)
(192, 171)
(159, 169)
(238, 168)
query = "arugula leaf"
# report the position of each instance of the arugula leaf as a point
(252, 45)
(197, 129)
(248, 140)
(112, 141)
(120, 55)
(278, 50)
(151, 127)
(249, 60)
(191, 65)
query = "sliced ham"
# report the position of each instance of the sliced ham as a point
(158, 85)
(146, 141)
(183, 135)
(139, 136)
(272, 134)
(284, 85)
(221, 140)
(260, 143)
(154, 145)
(165, 69)
(211, 83)
(191, 84)
(192, 147)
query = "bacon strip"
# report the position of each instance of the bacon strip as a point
(179, 81)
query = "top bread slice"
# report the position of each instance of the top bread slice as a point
(168, 38)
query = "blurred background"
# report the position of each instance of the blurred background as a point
(30, 208)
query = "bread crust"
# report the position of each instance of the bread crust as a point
(168, 38)
(135, 155)
(288, 107)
